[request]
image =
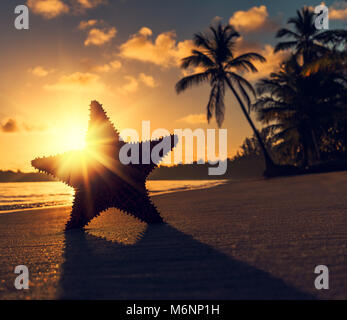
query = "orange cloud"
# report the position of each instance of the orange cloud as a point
(89, 4)
(53, 8)
(164, 51)
(338, 11)
(87, 24)
(194, 119)
(9, 126)
(115, 64)
(77, 82)
(131, 86)
(48, 8)
(255, 19)
(148, 80)
(90, 66)
(133, 83)
(98, 37)
(40, 71)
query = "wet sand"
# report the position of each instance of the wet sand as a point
(243, 240)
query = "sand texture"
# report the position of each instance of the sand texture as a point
(243, 240)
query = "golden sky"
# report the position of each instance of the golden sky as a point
(125, 54)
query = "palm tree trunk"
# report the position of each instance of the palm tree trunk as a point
(268, 161)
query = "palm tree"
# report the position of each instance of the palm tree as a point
(299, 109)
(305, 36)
(316, 48)
(216, 59)
(334, 59)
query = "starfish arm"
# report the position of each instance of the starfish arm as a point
(140, 207)
(83, 210)
(61, 166)
(101, 131)
(149, 146)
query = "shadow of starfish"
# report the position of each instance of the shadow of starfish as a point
(163, 264)
(100, 179)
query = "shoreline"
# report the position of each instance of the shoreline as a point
(34, 209)
(151, 195)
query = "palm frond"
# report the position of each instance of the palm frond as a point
(282, 46)
(191, 80)
(235, 77)
(244, 61)
(201, 40)
(197, 59)
(284, 32)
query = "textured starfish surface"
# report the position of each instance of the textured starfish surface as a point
(100, 179)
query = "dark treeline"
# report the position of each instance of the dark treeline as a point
(12, 176)
(237, 168)
(303, 106)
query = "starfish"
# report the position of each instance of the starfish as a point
(101, 181)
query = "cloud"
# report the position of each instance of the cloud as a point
(9, 126)
(243, 46)
(98, 37)
(164, 51)
(40, 71)
(194, 119)
(77, 82)
(216, 19)
(148, 80)
(146, 32)
(129, 87)
(90, 4)
(87, 24)
(102, 68)
(90, 66)
(34, 127)
(133, 83)
(115, 64)
(48, 8)
(256, 19)
(338, 11)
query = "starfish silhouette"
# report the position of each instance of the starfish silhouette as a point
(100, 179)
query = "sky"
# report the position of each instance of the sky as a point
(125, 54)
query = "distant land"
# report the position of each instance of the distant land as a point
(246, 168)
(252, 167)
(12, 176)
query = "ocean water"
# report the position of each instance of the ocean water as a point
(28, 195)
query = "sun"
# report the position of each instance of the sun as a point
(74, 139)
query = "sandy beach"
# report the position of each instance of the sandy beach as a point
(250, 240)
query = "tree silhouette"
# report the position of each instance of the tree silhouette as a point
(305, 36)
(302, 104)
(299, 109)
(216, 58)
